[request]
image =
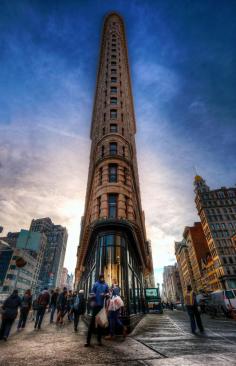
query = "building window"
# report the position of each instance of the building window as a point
(100, 176)
(113, 71)
(113, 79)
(102, 151)
(112, 173)
(113, 100)
(125, 175)
(112, 205)
(113, 50)
(113, 127)
(113, 90)
(113, 63)
(113, 113)
(123, 151)
(122, 117)
(113, 148)
(99, 206)
(113, 57)
(126, 206)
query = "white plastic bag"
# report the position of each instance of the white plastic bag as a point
(101, 319)
(115, 303)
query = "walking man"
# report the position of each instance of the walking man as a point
(99, 292)
(43, 301)
(53, 303)
(24, 310)
(192, 309)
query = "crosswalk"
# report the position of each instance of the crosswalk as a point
(169, 335)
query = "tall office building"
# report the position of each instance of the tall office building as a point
(172, 290)
(113, 237)
(51, 269)
(217, 211)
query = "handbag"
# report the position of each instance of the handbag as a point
(101, 318)
(116, 303)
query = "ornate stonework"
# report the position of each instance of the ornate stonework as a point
(113, 162)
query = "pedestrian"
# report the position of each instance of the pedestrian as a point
(99, 292)
(9, 314)
(62, 306)
(78, 308)
(34, 308)
(24, 309)
(114, 308)
(53, 303)
(192, 309)
(43, 301)
(69, 306)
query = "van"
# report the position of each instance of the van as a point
(223, 300)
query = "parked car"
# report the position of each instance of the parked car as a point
(222, 301)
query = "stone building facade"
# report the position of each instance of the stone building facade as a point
(217, 211)
(113, 237)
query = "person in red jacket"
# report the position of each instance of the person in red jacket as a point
(43, 301)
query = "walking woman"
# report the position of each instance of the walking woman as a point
(114, 306)
(9, 314)
(24, 310)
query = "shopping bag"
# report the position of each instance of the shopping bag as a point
(101, 319)
(116, 303)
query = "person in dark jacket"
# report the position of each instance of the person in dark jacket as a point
(43, 301)
(10, 310)
(24, 310)
(79, 307)
(69, 305)
(99, 292)
(61, 306)
(53, 303)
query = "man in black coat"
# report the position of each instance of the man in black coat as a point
(10, 309)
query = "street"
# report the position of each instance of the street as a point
(157, 340)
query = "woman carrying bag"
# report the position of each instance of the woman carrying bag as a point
(114, 307)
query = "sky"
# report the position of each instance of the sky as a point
(182, 57)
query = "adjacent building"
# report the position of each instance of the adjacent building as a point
(64, 275)
(197, 251)
(21, 279)
(113, 236)
(171, 289)
(217, 211)
(54, 255)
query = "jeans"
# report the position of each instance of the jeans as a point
(91, 328)
(195, 317)
(39, 316)
(23, 318)
(114, 321)
(76, 319)
(6, 327)
(53, 309)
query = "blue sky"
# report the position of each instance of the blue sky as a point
(182, 57)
